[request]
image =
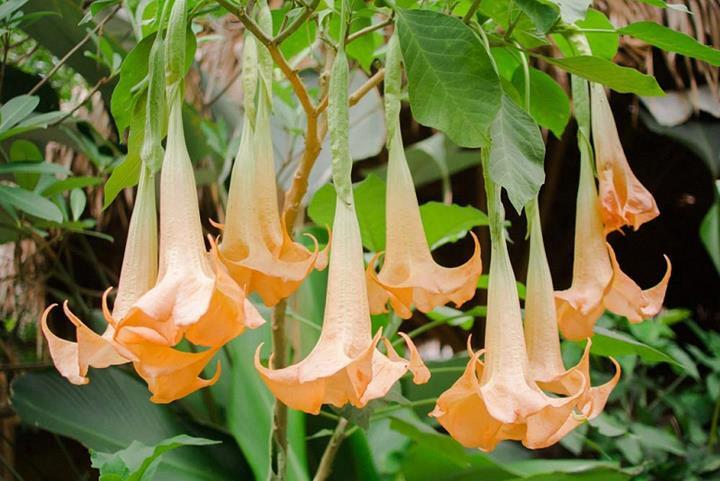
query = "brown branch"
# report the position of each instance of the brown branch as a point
(92, 92)
(357, 96)
(297, 23)
(74, 50)
(364, 31)
(325, 466)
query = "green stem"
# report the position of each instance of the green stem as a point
(325, 466)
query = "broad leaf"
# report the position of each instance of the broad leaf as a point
(30, 202)
(113, 411)
(139, 462)
(517, 154)
(33, 168)
(672, 41)
(710, 229)
(549, 104)
(600, 70)
(451, 81)
(447, 223)
(572, 10)
(16, 110)
(611, 343)
(542, 14)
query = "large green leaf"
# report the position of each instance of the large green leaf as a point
(110, 413)
(549, 104)
(16, 110)
(250, 411)
(572, 10)
(139, 462)
(542, 14)
(612, 343)
(442, 223)
(672, 41)
(30, 202)
(517, 154)
(600, 70)
(451, 82)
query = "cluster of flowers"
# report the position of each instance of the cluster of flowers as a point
(173, 311)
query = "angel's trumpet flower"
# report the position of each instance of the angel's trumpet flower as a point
(546, 366)
(138, 274)
(598, 282)
(409, 275)
(255, 245)
(497, 399)
(345, 366)
(623, 199)
(194, 296)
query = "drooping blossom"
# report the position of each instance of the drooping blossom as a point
(409, 275)
(497, 399)
(624, 201)
(598, 282)
(138, 274)
(345, 366)
(546, 366)
(194, 298)
(255, 245)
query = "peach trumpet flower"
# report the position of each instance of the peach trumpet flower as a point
(345, 366)
(194, 297)
(546, 366)
(409, 274)
(138, 274)
(623, 199)
(598, 282)
(255, 245)
(497, 399)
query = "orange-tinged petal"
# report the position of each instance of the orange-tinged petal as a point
(409, 275)
(344, 366)
(255, 245)
(580, 306)
(627, 299)
(172, 374)
(72, 359)
(140, 260)
(623, 199)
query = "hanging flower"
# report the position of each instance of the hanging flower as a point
(546, 366)
(623, 199)
(138, 274)
(194, 298)
(345, 366)
(409, 275)
(598, 282)
(497, 399)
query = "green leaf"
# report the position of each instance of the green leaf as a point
(612, 343)
(710, 229)
(70, 183)
(603, 44)
(442, 223)
(654, 438)
(33, 168)
(451, 82)
(549, 104)
(600, 70)
(77, 203)
(543, 15)
(139, 462)
(447, 223)
(250, 411)
(301, 39)
(572, 10)
(16, 110)
(517, 154)
(113, 411)
(30, 202)
(672, 41)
